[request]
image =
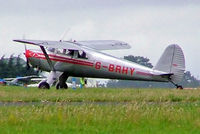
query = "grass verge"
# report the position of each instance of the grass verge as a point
(131, 118)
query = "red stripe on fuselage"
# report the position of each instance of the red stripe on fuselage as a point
(61, 59)
(105, 66)
(70, 59)
(66, 61)
(75, 60)
(143, 73)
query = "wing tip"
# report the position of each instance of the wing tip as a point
(23, 41)
(16, 40)
(19, 40)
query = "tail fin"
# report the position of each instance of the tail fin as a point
(172, 61)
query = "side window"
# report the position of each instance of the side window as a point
(70, 53)
(51, 49)
(75, 53)
(82, 55)
(59, 51)
(64, 51)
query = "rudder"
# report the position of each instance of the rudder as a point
(172, 61)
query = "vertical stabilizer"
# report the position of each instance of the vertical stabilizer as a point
(172, 61)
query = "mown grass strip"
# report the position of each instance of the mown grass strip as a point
(21, 94)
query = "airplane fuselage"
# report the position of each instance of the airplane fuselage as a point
(95, 65)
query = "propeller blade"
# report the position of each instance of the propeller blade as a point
(27, 61)
(27, 64)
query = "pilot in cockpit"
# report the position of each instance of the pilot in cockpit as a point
(76, 53)
(82, 55)
(51, 49)
(69, 52)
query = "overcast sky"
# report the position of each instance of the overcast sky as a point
(149, 26)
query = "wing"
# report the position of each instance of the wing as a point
(105, 44)
(94, 44)
(52, 44)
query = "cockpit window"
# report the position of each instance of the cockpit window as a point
(59, 51)
(70, 52)
(82, 54)
(51, 49)
(77, 54)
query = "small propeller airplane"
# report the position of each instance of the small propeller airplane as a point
(85, 59)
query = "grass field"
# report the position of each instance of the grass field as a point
(145, 111)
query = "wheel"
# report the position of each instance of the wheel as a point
(179, 87)
(57, 86)
(44, 85)
(64, 86)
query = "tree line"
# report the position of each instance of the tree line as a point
(14, 66)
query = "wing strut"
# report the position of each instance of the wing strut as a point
(48, 59)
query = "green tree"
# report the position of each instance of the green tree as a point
(3, 66)
(14, 66)
(189, 80)
(139, 60)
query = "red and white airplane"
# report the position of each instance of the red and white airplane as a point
(85, 59)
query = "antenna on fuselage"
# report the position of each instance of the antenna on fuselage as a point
(64, 34)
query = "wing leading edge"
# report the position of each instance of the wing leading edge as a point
(52, 44)
(77, 45)
(105, 44)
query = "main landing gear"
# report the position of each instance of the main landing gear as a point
(61, 84)
(45, 84)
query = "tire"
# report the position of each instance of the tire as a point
(179, 87)
(65, 86)
(61, 87)
(44, 85)
(57, 86)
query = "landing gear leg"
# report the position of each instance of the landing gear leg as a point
(62, 82)
(50, 80)
(177, 86)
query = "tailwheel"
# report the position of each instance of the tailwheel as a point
(63, 86)
(179, 87)
(44, 85)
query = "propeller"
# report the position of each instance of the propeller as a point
(25, 53)
(27, 61)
